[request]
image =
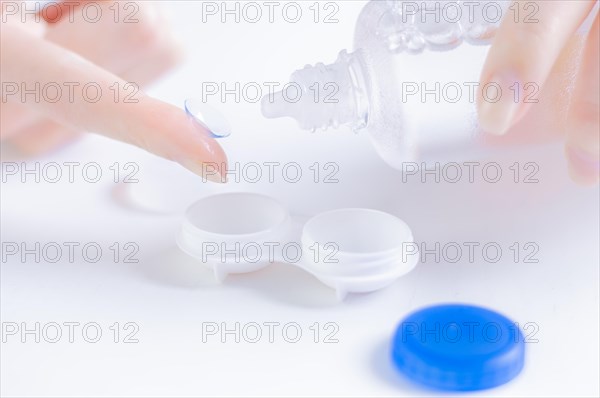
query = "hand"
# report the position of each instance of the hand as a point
(117, 55)
(525, 53)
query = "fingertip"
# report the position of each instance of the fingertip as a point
(169, 132)
(522, 56)
(584, 167)
(498, 106)
(210, 162)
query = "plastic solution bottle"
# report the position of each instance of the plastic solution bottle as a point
(411, 81)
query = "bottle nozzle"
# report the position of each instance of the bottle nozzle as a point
(273, 106)
(321, 96)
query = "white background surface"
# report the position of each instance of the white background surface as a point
(169, 295)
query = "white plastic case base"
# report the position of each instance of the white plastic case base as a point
(351, 250)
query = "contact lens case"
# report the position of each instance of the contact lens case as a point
(351, 250)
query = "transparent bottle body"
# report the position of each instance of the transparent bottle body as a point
(422, 105)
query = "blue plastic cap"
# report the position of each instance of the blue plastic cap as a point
(458, 347)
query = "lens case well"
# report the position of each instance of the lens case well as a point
(350, 250)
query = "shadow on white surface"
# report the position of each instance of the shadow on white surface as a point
(383, 369)
(174, 268)
(287, 284)
(279, 282)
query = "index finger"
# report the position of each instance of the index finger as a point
(102, 102)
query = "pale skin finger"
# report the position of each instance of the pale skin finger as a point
(26, 133)
(583, 122)
(545, 121)
(138, 52)
(114, 45)
(148, 123)
(524, 52)
(15, 117)
(42, 137)
(141, 59)
(38, 135)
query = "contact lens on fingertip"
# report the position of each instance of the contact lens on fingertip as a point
(208, 117)
(457, 347)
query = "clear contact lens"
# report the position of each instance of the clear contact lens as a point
(208, 117)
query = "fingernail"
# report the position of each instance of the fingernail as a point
(584, 167)
(499, 103)
(213, 171)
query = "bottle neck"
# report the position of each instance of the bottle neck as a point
(323, 96)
